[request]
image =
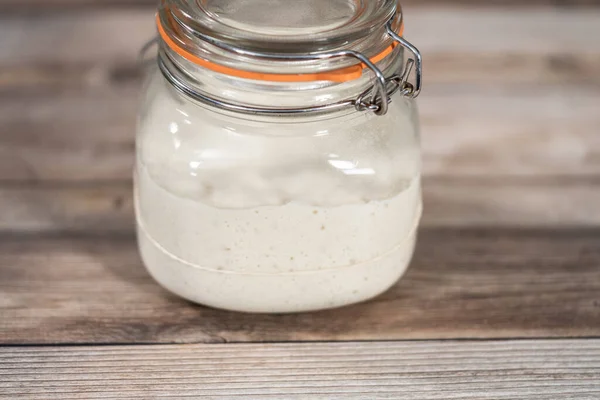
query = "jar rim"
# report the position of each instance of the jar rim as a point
(343, 74)
(198, 38)
(284, 26)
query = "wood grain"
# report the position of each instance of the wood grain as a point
(100, 47)
(536, 202)
(20, 5)
(557, 369)
(467, 69)
(463, 283)
(521, 103)
(452, 202)
(74, 137)
(545, 132)
(89, 208)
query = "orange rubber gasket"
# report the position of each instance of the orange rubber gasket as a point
(339, 75)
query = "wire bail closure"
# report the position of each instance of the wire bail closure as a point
(375, 99)
(388, 87)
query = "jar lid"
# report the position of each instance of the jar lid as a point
(287, 40)
(285, 26)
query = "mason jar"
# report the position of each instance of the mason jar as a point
(278, 162)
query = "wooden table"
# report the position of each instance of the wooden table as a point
(502, 300)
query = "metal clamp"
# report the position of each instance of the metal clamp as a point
(417, 61)
(396, 82)
(375, 99)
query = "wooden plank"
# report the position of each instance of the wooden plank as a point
(68, 112)
(97, 208)
(549, 131)
(19, 5)
(73, 137)
(52, 5)
(545, 132)
(541, 369)
(516, 202)
(106, 35)
(457, 202)
(532, 51)
(463, 283)
(485, 30)
(468, 69)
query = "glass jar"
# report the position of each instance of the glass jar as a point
(278, 162)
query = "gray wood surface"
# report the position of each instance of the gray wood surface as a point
(542, 45)
(521, 103)
(20, 5)
(82, 137)
(510, 244)
(449, 202)
(463, 283)
(534, 370)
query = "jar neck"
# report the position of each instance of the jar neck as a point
(245, 93)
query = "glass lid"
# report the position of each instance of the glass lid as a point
(284, 26)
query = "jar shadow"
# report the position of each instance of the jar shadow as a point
(142, 311)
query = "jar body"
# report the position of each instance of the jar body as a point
(275, 214)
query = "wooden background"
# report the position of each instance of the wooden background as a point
(509, 248)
